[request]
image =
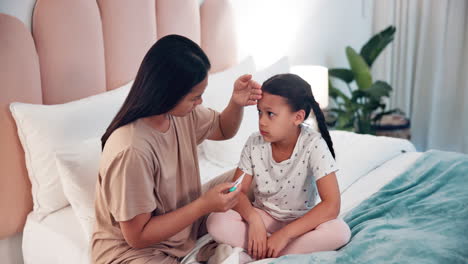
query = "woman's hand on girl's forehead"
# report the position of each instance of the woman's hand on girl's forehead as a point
(246, 91)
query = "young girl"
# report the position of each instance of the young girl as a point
(290, 164)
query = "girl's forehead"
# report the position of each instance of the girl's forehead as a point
(272, 101)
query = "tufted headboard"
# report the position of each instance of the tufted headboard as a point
(81, 48)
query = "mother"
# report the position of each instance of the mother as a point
(149, 204)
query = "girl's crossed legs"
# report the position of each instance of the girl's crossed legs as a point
(229, 228)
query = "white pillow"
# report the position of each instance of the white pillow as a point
(78, 166)
(227, 153)
(44, 128)
(358, 154)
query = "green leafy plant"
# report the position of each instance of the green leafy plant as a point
(363, 108)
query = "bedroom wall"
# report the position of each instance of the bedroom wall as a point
(309, 32)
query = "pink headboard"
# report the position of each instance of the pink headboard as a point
(81, 48)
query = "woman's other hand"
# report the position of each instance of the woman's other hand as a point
(246, 91)
(257, 245)
(219, 199)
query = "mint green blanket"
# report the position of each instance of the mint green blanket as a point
(419, 217)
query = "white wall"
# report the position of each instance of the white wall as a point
(308, 31)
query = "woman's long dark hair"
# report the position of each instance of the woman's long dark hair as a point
(168, 72)
(298, 95)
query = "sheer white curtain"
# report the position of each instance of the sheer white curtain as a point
(427, 66)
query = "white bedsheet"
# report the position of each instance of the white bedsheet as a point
(374, 180)
(58, 238)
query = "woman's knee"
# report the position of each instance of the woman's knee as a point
(217, 222)
(212, 221)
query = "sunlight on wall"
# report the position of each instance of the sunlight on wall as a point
(317, 77)
(267, 28)
(307, 31)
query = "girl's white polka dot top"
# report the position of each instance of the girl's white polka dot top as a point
(287, 190)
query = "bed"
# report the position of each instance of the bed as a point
(61, 230)
(62, 85)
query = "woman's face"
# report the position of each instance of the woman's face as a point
(191, 100)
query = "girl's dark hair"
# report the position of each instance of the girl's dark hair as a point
(168, 72)
(298, 95)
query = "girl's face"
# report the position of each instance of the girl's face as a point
(276, 119)
(191, 100)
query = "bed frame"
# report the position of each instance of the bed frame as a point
(81, 48)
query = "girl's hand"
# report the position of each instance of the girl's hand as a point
(218, 199)
(246, 91)
(257, 246)
(276, 243)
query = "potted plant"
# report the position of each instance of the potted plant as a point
(364, 107)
